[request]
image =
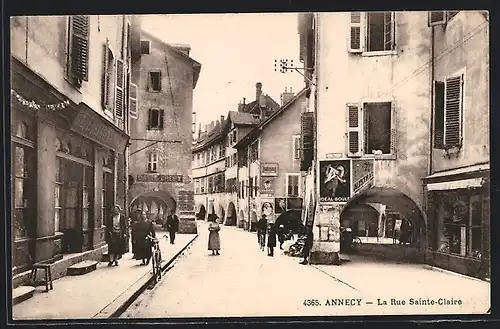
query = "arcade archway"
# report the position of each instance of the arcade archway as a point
(231, 215)
(201, 213)
(157, 204)
(385, 217)
(221, 213)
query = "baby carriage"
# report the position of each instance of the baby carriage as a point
(297, 248)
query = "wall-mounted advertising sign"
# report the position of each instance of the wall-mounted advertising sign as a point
(269, 169)
(335, 180)
(362, 174)
(160, 178)
(267, 186)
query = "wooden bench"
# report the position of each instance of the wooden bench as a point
(47, 274)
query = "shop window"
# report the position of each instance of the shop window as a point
(22, 177)
(461, 229)
(292, 185)
(155, 119)
(58, 192)
(22, 130)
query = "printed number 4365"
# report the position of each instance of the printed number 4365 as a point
(311, 302)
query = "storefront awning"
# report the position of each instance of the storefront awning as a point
(457, 184)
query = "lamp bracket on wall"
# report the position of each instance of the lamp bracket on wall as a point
(285, 65)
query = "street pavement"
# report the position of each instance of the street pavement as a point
(244, 281)
(86, 296)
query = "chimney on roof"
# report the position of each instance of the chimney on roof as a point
(241, 106)
(221, 119)
(286, 96)
(258, 91)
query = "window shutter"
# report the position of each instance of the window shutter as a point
(119, 96)
(160, 115)
(307, 140)
(354, 120)
(133, 101)
(150, 118)
(438, 114)
(436, 18)
(394, 130)
(355, 33)
(105, 76)
(453, 108)
(79, 47)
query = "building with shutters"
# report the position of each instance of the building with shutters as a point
(372, 126)
(161, 132)
(458, 205)
(270, 162)
(70, 130)
(391, 132)
(220, 184)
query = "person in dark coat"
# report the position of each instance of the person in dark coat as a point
(307, 246)
(135, 218)
(213, 236)
(143, 246)
(261, 231)
(271, 239)
(172, 225)
(116, 232)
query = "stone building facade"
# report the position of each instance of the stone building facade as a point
(161, 132)
(70, 129)
(376, 119)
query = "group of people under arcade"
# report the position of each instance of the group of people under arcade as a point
(279, 231)
(142, 232)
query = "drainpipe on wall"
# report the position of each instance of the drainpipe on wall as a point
(249, 189)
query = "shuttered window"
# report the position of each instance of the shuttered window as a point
(155, 119)
(153, 161)
(119, 93)
(307, 139)
(355, 33)
(438, 114)
(107, 80)
(133, 101)
(453, 111)
(296, 147)
(78, 48)
(154, 81)
(292, 183)
(372, 31)
(436, 17)
(354, 130)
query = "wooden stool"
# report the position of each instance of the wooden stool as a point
(48, 275)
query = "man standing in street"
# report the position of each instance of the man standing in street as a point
(172, 225)
(307, 246)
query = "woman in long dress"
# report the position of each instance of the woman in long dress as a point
(143, 246)
(213, 236)
(116, 232)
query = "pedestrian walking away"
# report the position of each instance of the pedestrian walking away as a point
(307, 246)
(142, 244)
(213, 236)
(172, 225)
(261, 231)
(271, 239)
(116, 231)
(135, 219)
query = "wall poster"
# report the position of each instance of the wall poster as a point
(335, 180)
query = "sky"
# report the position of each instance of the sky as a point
(235, 52)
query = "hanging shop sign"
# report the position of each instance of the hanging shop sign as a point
(269, 169)
(335, 180)
(159, 178)
(362, 174)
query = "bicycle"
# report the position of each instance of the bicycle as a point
(156, 257)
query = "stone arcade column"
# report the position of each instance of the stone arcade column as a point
(46, 179)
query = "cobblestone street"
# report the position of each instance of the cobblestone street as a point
(244, 281)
